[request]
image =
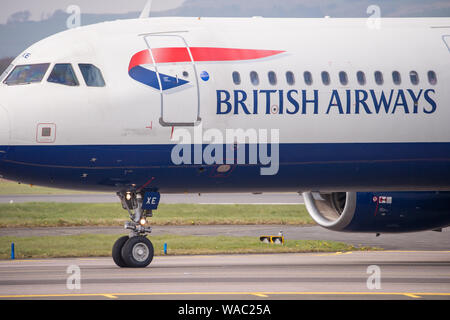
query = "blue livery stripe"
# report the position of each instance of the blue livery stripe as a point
(345, 167)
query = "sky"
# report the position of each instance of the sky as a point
(42, 9)
(23, 22)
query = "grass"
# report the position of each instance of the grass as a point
(79, 214)
(100, 245)
(97, 245)
(14, 188)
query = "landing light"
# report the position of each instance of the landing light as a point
(128, 196)
(143, 222)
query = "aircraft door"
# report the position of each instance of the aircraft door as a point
(447, 41)
(178, 80)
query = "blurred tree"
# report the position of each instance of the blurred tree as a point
(4, 63)
(21, 16)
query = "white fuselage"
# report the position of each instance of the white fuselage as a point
(128, 112)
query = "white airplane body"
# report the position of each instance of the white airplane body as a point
(357, 110)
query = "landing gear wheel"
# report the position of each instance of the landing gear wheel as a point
(137, 252)
(117, 251)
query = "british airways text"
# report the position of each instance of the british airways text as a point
(305, 102)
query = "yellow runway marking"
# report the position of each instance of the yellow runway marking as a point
(22, 260)
(88, 259)
(333, 254)
(258, 294)
(411, 251)
(412, 295)
(206, 256)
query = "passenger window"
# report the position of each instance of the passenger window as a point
(27, 74)
(308, 78)
(254, 78)
(92, 75)
(414, 76)
(379, 78)
(272, 78)
(361, 77)
(432, 79)
(325, 78)
(236, 78)
(63, 74)
(396, 77)
(290, 78)
(343, 78)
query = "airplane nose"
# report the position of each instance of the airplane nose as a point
(4, 129)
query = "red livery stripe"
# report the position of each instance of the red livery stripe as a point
(200, 54)
(224, 54)
(142, 57)
(166, 55)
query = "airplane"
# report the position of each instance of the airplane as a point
(354, 118)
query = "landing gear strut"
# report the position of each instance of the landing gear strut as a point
(135, 250)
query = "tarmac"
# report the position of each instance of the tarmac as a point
(376, 275)
(413, 266)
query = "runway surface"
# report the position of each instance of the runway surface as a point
(402, 275)
(416, 265)
(428, 240)
(212, 198)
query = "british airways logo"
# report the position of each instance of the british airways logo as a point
(341, 102)
(142, 69)
(143, 65)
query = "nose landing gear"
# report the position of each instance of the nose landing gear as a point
(135, 250)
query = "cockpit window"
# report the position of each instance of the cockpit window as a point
(63, 74)
(6, 72)
(92, 75)
(26, 74)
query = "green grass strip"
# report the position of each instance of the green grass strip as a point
(15, 188)
(79, 214)
(97, 245)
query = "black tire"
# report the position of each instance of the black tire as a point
(137, 252)
(117, 251)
